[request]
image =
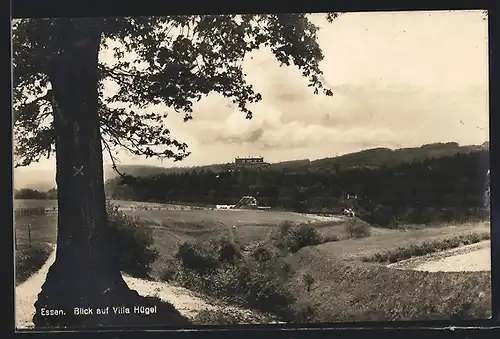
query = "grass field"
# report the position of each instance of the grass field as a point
(354, 291)
(345, 287)
(390, 239)
(43, 229)
(33, 203)
(227, 217)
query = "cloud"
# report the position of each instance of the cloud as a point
(250, 137)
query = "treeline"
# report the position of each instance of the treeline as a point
(435, 189)
(375, 157)
(28, 193)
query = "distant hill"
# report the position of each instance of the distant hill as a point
(375, 157)
(148, 171)
(386, 157)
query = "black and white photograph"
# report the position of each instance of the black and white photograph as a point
(295, 168)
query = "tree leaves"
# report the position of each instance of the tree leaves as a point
(177, 61)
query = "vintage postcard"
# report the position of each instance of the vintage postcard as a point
(251, 169)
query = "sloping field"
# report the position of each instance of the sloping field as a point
(384, 241)
(346, 290)
(478, 260)
(471, 258)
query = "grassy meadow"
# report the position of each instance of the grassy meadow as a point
(330, 280)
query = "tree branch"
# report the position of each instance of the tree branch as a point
(113, 159)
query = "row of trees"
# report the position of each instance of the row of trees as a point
(28, 193)
(448, 183)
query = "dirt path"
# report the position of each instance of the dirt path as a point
(475, 257)
(183, 299)
(26, 294)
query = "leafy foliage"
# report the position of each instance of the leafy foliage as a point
(245, 281)
(357, 229)
(170, 61)
(204, 257)
(291, 238)
(133, 242)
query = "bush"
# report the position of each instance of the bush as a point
(132, 242)
(264, 289)
(228, 252)
(263, 253)
(197, 258)
(285, 227)
(204, 257)
(290, 239)
(358, 229)
(255, 279)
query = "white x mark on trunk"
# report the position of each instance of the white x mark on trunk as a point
(78, 171)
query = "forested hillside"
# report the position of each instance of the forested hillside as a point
(419, 185)
(378, 157)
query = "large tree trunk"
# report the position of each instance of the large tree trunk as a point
(86, 272)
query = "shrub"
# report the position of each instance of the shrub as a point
(358, 229)
(264, 289)
(196, 257)
(290, 239)
(228, 252)
(285, 227)
(258, 284)
(132, 242)
(205, 257)
(262, 253)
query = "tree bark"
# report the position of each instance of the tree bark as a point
(86, 272)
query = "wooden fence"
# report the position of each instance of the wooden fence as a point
(34, 211)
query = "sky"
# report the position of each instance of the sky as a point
(399, 79)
